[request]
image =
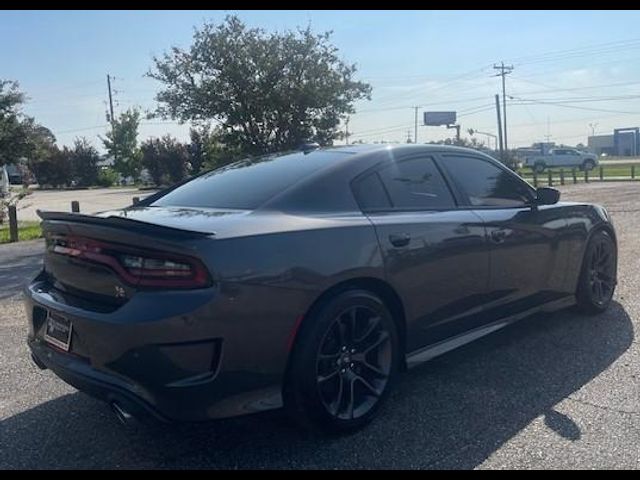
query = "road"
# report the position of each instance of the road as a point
(555, 391)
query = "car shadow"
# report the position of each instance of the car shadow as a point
(452, 412)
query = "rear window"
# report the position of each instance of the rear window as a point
(249, 183)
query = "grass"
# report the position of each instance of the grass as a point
(26, 231)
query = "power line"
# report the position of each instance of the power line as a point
(81, 129)
(571, 89)
(568, 105)
(585, 50)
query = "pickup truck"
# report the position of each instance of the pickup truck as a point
(562, 157)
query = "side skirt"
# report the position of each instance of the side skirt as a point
(431, 351)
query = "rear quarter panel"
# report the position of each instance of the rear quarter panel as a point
(268, 282)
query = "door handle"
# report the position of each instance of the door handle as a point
(498, 236)
(399, 239)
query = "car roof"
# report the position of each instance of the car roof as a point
(401, 147)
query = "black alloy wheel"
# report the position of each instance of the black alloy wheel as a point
(344, 360)
(354, 363)
(598, 276)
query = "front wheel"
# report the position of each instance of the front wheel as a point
(344, 361)
(598, 276)
(588, 165)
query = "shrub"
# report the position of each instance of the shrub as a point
(166, 159)
(107, 177)
(83, 161)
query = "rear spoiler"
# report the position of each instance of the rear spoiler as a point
(120, 222)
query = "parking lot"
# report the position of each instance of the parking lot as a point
(553, 391)
(91, 200)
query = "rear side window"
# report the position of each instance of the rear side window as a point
(250, 183)
(416, 184)
(370, 193)
(486, 184)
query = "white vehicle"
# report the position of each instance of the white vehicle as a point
(562, 157)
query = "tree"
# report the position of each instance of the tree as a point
(83, 162)
(20, 136)
(268, 91)
(208, 151)
(54, 170)
(166, 159)
(122, 144)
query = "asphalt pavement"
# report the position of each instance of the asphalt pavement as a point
(552, 391)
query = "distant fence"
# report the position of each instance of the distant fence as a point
(13, 217)
(563, 176)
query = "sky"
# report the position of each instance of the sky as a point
(575, 72)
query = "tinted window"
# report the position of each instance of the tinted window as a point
(370, 193)
(416, 184)
(486, 184)
(249, 183)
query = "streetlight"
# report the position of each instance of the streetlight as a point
(593, 128)
(495, 138)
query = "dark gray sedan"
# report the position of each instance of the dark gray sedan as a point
(306, 279)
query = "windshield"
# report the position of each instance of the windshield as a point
(249, 183)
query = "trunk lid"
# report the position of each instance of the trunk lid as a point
(86, 255)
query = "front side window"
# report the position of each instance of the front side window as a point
(416, 184)
(486, 184)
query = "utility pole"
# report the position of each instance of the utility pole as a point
(346, 128)
(504, 71)
(547, 137)
(415, 129)
(111, 119)
(499, 126)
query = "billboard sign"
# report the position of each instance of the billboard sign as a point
(439, 118)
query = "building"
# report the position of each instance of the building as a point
(624, 142)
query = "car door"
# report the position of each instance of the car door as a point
(436, 254)
(573, 159)
(526, 264)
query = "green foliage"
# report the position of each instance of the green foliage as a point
(63, 167)
(107, 177)
(20, 135)
(55, 169)
(166, 159)
(122, 144)
(207, 150)
(26, 231)
(84, 160)
(268, 91)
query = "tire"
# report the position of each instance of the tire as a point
(337, 380)
(539, 167)
(598, 275)
(588, 165)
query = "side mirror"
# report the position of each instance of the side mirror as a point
(547, 196)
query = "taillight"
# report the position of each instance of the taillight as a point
(142, 268)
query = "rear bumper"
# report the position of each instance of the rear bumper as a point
(79, 374)
(195, 361)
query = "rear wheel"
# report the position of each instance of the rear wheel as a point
(343, 364)
(598, 276)
(539, 167)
